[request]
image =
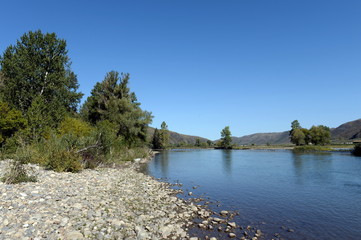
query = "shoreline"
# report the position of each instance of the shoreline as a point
(104, 203)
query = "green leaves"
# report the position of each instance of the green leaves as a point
(112, 100)
(11, 120)
(317, 135)
(226, 140)
(37, 78)
(161, 137)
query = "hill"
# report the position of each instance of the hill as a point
(347, 131)
(263, 138)
(178, 138)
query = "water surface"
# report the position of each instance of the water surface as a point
(316, 195)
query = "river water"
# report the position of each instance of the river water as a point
(295, 196)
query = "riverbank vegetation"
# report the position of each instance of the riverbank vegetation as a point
(160, 138)
(39, 118)
(357, 149)
(316, 135)
(226, 139)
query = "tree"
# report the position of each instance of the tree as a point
(197, 143)
(11, 120)
(164, 135)
(298, 135)
(295, 125)
(320, 135)
(156, 140)
(306, 132)
(37, 68)
(226, 140)
(161, 137)
(357, 149)
(38, 65)
(112, 100)
(1, 86)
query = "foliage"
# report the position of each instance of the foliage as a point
(64, 161)
(39, 120)
(357, 149)
(197, 143)
(161, 137)
(38, 80)
(16, 173)
(156, 141)
(298, 137)
(298, 134)
(317, 135)
(74, 126)
(310, 148)
(226, 140)
(42, 118)
(11, 121)
(2, 87)
(295, 125)
(112, 100)
(320, 135)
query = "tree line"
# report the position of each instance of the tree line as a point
(316, 135)
(39, 102)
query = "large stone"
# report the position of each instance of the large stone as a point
(232, 224)
(224, 213)
(231, 235)
(74, 235)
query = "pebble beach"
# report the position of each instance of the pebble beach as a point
(104, 203)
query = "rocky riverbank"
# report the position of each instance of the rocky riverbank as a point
(104, 203)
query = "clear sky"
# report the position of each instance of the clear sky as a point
(200, 65)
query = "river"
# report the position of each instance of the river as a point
(295, 196)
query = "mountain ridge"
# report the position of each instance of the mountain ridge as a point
(343, 133)
(346, 131)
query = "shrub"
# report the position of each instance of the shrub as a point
(311, 148)
(74, 126)
(357, 150)
(11, 121)
(64, 161)
(16, 173)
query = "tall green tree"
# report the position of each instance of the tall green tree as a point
(36, 70)
(226, 139)
(164, 135)
(161, 137)
(156, 142)
(112, 100)
(298, 135)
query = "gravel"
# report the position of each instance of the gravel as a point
(104, 203)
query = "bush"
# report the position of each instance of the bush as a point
(16, 173)
(74, 126)
(311, 148)
(64, 161)
(11, 121)
(357, 150)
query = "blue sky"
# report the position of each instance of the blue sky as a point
(201, 65)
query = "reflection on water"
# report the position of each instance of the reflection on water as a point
(162, 162)
(227, 161)
(312, 166)
(317, 195)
